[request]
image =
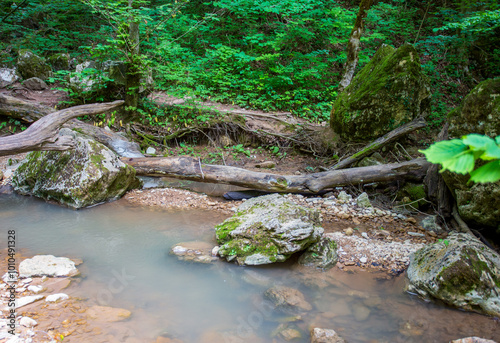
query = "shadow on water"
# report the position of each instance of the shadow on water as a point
(126, 264)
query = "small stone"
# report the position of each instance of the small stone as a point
(28, 322)
(365, 235)
(344, 197)
(319, 335)
(363, 259)
(363, 200)
(56, 297)
(349, 231)
(151, 151)
(215, 251)
(266, 165)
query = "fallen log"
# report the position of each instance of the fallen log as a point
(380, 142)
(22, 110)
(188, 168)
(42, 135)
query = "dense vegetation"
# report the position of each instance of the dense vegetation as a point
(274, 55)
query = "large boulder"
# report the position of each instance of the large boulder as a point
(478, 204)
(267, 229)
(87, 175)
(31, 65)
(460, 271)
(388, 92)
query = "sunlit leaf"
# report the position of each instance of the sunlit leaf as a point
(461, 164)
(477, 142)
(445, 150)
(490, 172)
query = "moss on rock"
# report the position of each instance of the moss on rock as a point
(31, 65)
(388, 92)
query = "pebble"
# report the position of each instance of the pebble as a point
(35, 289)
(28, 322)
(363, 259)
(365, 235)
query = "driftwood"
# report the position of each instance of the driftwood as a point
(192, 169)
(22, 110)
(42, 135)
(380, 142)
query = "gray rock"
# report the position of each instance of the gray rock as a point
(31, 65)
(47, 265)
(85, 83)
(321, 255)
(430, 223)
(460, 271)
(374, 160)
(151, 151)
(287, 299)
(87, 175)
(343, 197)
(35, 84)
(388, 92)
(267, 229)
(325, 336)
(363, 200)
(197, 252)
(7, 77)
(473, 340)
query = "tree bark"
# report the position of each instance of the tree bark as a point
(353, 45)
(42, 135)
(133, 75)
(380, 142)
(22, 110)
(188, 168)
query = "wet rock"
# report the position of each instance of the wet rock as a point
(472, 340)
(27, 322)
(322, 254)
(478, 204)
(31, 65)
(56, 297)
(460, 271)
(363, 201)
(287, 332)
(107, 314)
(198, 252)
(361, 312)
(430, 223)
(47, 265)
(7, 77)
(35, 84)
(35, 289)
(27, 300)
(87, 175)
(410, 329)
(388, 92)
(287, 299)
(319, 335)
(267, 229)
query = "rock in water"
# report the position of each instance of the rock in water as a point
(87, 175)
(321, 255)
(47, 265)
(267, 229)
(287, 299)
(388, 92)
(478, 203)
(461, 271)
(325, 336)
(198, 252)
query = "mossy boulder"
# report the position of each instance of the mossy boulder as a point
(267, 229)
(388, 92)
(460, 271)
(87, 175)
(478, 204)
(60, 61)
(322, 254)
(31, 65)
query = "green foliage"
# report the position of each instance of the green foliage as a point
(460, 155)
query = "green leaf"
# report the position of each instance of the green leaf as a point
(445, 150)
(477, 142)
(497, 139)
(488, 173)
(461, 164)
(492, 152)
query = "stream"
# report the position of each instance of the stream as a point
(126, 264)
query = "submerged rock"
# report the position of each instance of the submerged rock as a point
(322, 254)
(287, 299)
(199, 252)
(31, 65)
(389, 91)
(478, 204)
(325, 336)
(87, 175)
(460, 271)
(267, 229)
(107, 314)
(47, 265)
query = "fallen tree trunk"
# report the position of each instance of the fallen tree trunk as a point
(22, 110)
(380, 142)
(42, 135)
(192, 169)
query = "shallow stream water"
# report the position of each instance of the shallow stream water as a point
(126, 264)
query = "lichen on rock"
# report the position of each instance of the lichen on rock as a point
(87, 175)
(460, 271)
(388, 92)
(267, 229)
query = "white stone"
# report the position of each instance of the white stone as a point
(365, 235)
(27, 300)
(56, 297)
(7, 77)
(363, 259)
(35, 289)
(47, 265)
(28, 322)
(151, 151)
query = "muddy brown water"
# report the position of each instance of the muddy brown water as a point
(126, 264)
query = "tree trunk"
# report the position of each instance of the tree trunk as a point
(22, 110)
(133, 75)
(188, 168)
(353, 45)
(42, 135)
